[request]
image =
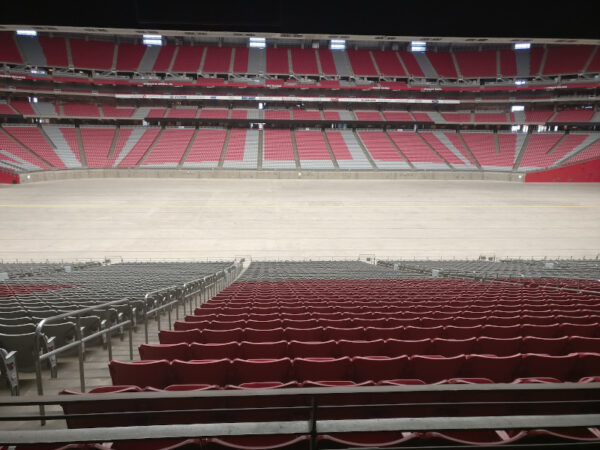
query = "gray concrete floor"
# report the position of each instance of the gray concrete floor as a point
(212, 218)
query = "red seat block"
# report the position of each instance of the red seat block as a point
(498, 346)
(435, 369)
(322, 369)
(361, 348)
(164, 351)
(270, 335)
(549, 346)
(378, 368)
(209, 371)
(220, 336)
(304, 334)
(269, 350)
(141, 373)
(259, 370)
(228, 350)
(452, 347)
(498, 369)
(175, 337)
(545, 366)
(397, 347)
(325, 349)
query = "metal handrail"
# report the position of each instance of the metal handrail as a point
(174, 294)
(311, 423)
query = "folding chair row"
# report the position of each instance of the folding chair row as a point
(317, 333)
(326, 305)
(379, 347)
(416, 313)
(335, 320)
(359, 370)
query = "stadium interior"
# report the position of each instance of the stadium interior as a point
(275, 240)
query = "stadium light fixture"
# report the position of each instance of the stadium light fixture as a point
(522, 46)
(26, 33)
(337, 44)
(520, 82)
(418, 46)
(517, 108)
(152, 39)
(257, 42)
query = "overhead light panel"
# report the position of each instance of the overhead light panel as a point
(522, 46)
(418, 46)
(520, 82)
(337, 44)
(152, 39)
(257, 42)
(26, 32)
(517, 108)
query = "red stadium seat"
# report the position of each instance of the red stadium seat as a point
(261, 370)
(415, 333)
(472, 437)
(141, 373)
(228, 350)
(497, 369)
(263, 324)
(175, 337)
(165, 351)
(549, 346)
(584, 330)
(546, 331)
(351, 334)
(256, 442)
(361, 348)
(583, 344)
(191, 387)
(588, 364)
(324, 349)
(304, 334)
(378, 439)
(183, 326)
(458, 332)
(373, 333)
(209, 371)
(225, 324)
(378, 368)
(322, 369)
(452, 347)
(502, 332)
(498, 346)
(271, 335)
(559, 368)
(221, 336)
(436, 369)
(268, 350)
(397, 347)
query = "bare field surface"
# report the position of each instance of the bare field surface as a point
(279, 219)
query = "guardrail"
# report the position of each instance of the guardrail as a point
(311, 412)
(121, 315)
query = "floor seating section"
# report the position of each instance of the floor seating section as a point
(314, 332)
(347, 323)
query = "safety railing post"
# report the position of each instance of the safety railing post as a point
(109, 334)
(80, 352)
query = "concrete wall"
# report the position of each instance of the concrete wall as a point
(269, 174)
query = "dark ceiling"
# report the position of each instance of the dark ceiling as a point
(466, 18)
